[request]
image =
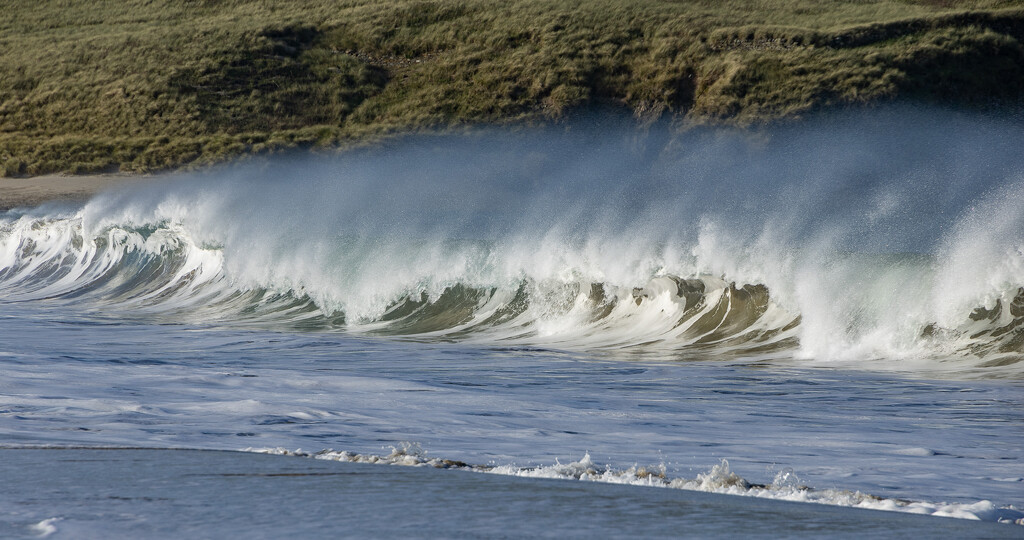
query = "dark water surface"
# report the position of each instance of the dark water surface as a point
(201, 494)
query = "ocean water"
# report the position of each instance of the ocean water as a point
(830, 314)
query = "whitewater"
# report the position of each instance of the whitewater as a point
(835, 309)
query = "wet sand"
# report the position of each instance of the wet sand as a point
(19, 192)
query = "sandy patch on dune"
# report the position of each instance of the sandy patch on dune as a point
(20, 192)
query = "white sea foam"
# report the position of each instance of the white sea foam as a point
(719, 479)
(45, 527)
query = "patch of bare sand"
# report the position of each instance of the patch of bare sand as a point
(24, 192)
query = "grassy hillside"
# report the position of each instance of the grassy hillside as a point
(137, 85)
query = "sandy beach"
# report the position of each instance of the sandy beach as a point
(19, 192)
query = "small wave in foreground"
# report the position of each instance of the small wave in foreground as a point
(719, 479)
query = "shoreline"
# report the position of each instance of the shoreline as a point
(36, 190)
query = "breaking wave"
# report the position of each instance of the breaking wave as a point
(846, 242)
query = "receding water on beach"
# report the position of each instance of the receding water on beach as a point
(830, 313)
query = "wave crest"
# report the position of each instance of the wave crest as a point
(159, 271)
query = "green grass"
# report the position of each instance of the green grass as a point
(144, 85)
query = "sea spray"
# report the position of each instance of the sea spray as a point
(846, 240)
